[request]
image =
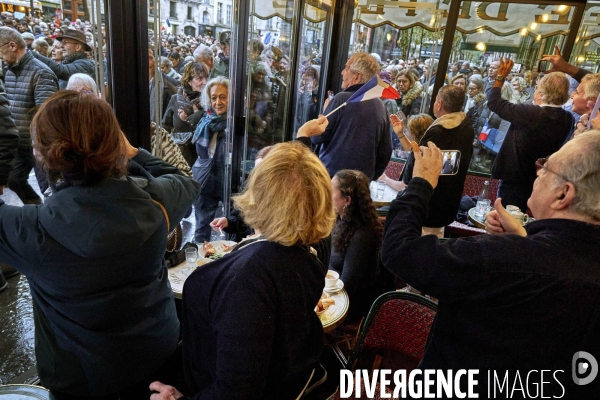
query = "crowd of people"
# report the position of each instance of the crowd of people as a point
(249, 327)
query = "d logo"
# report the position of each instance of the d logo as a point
(580, 367)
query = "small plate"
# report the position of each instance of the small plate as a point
(339, 286)
(218, 245)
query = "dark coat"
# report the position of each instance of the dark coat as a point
(9, 140)
(93, 255)
(535, 132)
(358, 136)
(446, 198)
(506, 302)
(29, 83)
(249, 326)
(64, 71)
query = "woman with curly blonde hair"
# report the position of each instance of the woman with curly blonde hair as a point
(251, 330)
(356, 240)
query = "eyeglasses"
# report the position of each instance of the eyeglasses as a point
(541, 163)
(4, 44)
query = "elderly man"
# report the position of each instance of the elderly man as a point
(204, 55)
(522, 301)
(492, 74)
(358, 135)
(452, 130)
(74, 60)
(28, 84)
(535, 132)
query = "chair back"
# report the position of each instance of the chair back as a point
(398, 321)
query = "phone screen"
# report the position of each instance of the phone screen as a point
(451, 161)
(544, 66)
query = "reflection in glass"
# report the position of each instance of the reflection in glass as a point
(586, 53)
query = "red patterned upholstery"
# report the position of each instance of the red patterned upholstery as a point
(474, 184)
(401, 325)
(394, 170)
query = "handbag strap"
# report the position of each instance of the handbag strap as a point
(166, 215)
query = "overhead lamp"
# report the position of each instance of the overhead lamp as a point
(480, 46)
(581, 59)
(545, 17)
(562, 8)
(538, 38)
(533, 26)
(523, 32)
(388, 36)
(480, 30)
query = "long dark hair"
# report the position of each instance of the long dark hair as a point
(359, 213)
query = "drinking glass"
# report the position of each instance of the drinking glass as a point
(380, 189)
(191, 255)
(482, 207)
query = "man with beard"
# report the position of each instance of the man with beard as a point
(75, 60)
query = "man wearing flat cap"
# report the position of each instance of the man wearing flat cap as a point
(28, 38)
(74, 59)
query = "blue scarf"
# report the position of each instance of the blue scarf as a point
(210, 123)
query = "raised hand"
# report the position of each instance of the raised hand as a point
(428, 165)
(499, 221)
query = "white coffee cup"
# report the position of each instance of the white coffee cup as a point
(331, 279)
(511, 209)
(520, 217)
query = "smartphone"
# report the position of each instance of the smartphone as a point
(544, 66)
(330, 94)
(451, 162)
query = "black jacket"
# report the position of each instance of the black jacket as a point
(9, 139)
(64, 71)
(249, 326)
(506, 302)
(446, 197)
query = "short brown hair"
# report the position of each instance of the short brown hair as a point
(452, 98)
(555, 87)
(79, 139)
(303, 212)
(192, 70)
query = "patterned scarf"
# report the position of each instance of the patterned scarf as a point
(210, 123)
(186, 98)
(78, 55)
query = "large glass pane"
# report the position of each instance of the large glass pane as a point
(268, 85)
(310, 93)
(522, 32)
(586, 53)
(190, 45)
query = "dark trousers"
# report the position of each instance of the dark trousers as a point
(17, 178)
(205, 207)
(171, 373)
(516, 195)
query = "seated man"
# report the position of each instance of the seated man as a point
(524, 299)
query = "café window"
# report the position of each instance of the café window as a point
(228, 15)
(67, 5)
(485, 31)
(219, 13)
(586, 52)
(173, 9)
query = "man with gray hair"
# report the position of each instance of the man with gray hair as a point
(524, 299)
(204, 55)
(535, 132)
(222, 60)
(29, 82)
(358, 135)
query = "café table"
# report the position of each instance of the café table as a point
(389, 195)
(330, 318)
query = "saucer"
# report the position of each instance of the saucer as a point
(339, 286)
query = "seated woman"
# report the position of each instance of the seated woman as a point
(93, 253)
(356, 240)
(250, 328)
